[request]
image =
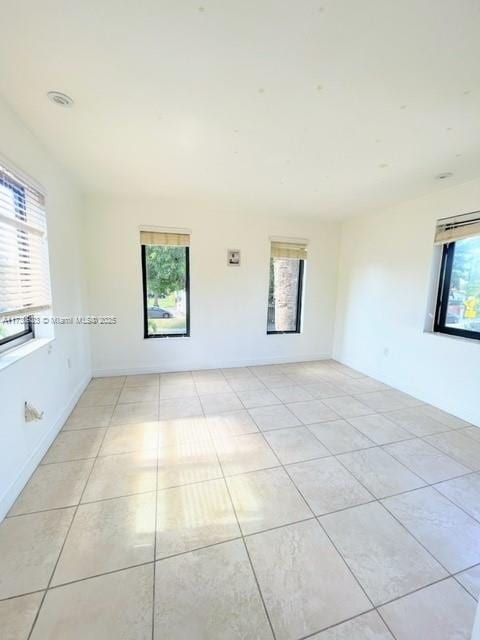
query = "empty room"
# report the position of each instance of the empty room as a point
(239, 320)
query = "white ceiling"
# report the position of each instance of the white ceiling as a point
(311, 108)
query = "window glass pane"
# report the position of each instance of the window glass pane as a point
(283, 294)
(463, 310)
(10, 327)
(166, 289)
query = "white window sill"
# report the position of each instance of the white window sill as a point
(440, 334)
(8, 358)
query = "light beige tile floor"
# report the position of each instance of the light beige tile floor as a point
(271, 502)
(442, 611)
(265, 499)
(194, 516)
(295, 445)
(470, 579)
(380, 429)
(339, 436)
(327, 486)
(450, 534)
(368, 626)
(380, 472)
(303, 579)
(209, 594)
(18, 614)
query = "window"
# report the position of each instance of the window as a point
(458, 304)
(24, 271)
(287, 265)
(166, 284)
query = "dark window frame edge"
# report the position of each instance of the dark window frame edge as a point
(444, 280)
(22, 337)
(146, 335)
(298, 318)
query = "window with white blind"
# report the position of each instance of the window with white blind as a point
(24, 270)
(458, 301)
(287, 266)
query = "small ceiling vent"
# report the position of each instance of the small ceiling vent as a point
(60, 98)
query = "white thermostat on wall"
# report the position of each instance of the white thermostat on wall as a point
(233, 258)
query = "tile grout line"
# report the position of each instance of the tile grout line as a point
(331, 455)
(455, 577)
(66, 535)
(412, 436)
(155, 530)
(449, 574)
(336, 549)
(224, 477)
(333, 626)
(214, 544)
(325, 532)
(379, 613)
(241, 531)
(417, 590)
(379, 501)
(458, 506)
(446, 454)
(395, 459)
(248, 535)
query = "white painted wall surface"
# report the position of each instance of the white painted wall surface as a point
(228, 304)
(384, 283)
(476, 625)
(43, 377)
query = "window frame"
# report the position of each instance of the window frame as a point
(445, 278)
(146, 334)
(18, 338)
(298, 319)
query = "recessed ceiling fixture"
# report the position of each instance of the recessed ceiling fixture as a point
(444, 175)
(60, 98)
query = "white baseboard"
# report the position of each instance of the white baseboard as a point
(13, 491)
(166, 367)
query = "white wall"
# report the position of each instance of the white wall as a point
(228, 304)
(476, 624)
(44, 377)
(384, 283)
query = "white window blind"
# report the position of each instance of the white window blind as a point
(457, 228)
(24, 270)
(292, 250)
